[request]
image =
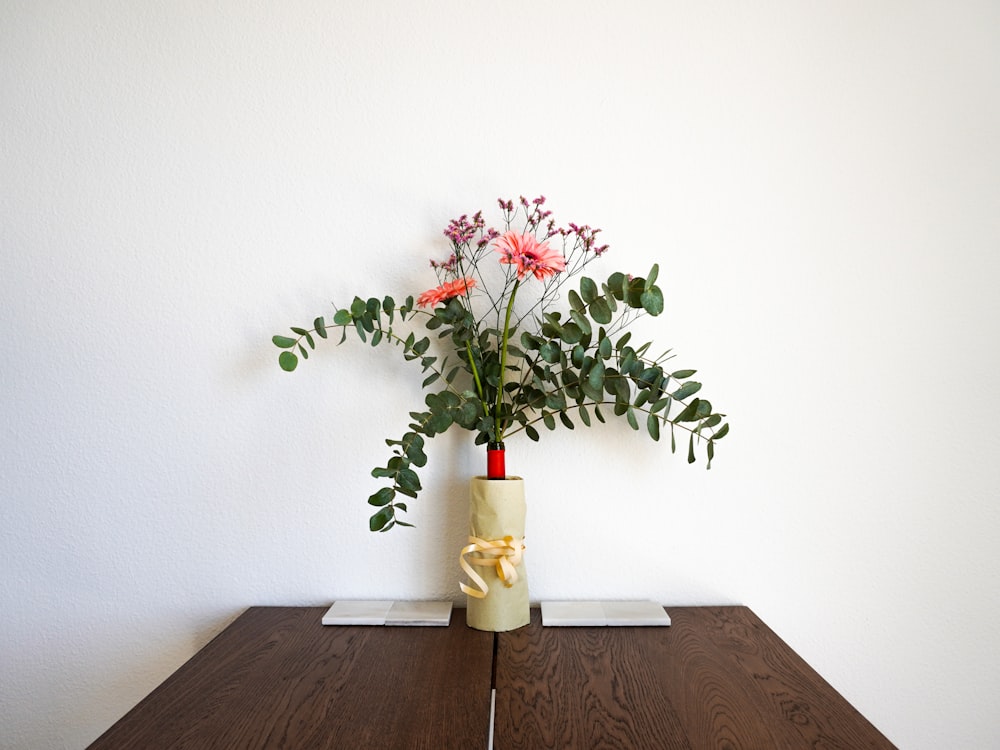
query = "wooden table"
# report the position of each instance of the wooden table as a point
(276, 678)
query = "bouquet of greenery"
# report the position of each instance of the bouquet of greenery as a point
(516, 364)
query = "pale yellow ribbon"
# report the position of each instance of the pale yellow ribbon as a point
(503, 554)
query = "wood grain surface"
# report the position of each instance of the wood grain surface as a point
(716, 678)
(277, 678)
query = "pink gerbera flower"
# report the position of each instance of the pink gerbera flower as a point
(529, 255)
(443, 293)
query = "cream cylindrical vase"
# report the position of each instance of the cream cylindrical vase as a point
(496, 513)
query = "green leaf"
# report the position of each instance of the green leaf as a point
(549, 352)
(618, 284)
(377, 337)
(649, 377)
(430, 379)
(581, 320)
(381, 521)
(564, 418)
(682, 374)
(531, 432)
(531, 343)
(600, 311)
(688, 389)
(604, 347)
(721, 432)
(320, 325)
(710, 450)
(303, 332)
(575, 303)
(288, 361)
(584, 415)
(549, 420)
(652, 301)
(284, 342)
(595, 378)
(555, 401)
(588, 289)
(342, 317)
(383, 497)
(691, 458)
(630, 416)
(653, 273)
(663, 405)
(571, 333)
(690, 413)
(653, 426)
(407, 480)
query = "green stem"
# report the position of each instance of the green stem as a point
(498, 429)
(475, 376)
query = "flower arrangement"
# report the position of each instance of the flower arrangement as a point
(517, 364)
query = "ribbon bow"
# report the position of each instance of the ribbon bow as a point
(503, 554)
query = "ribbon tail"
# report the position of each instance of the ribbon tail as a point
(477, 579)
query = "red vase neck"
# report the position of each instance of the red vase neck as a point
(495, 464)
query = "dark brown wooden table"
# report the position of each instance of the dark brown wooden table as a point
(276, 678)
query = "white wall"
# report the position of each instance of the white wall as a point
(179, 181)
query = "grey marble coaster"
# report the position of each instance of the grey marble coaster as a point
(388, 613)
(604, 614)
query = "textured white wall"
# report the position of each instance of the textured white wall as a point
(179, 181)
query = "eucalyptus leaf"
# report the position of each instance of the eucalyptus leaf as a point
(652, 301)
(382, 520)
(407, 479)
(383, 497)
(653, 426)
(630, 417)
(688, 389)
(600, 311)
(284, 342)
(288, 361)
(651, 278)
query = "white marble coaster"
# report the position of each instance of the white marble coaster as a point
(610, 614)
(357, 613)
(420, 614)
(566, 614)
(388, 613)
